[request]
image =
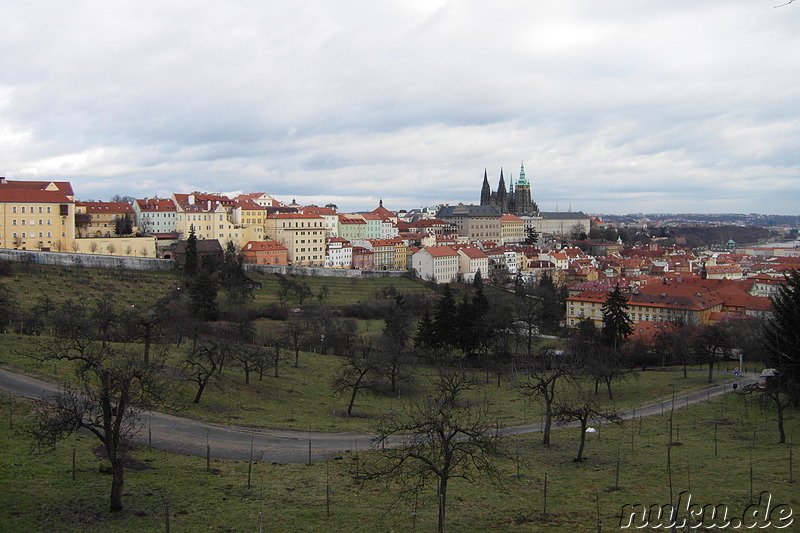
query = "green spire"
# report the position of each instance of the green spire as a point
(522, 180)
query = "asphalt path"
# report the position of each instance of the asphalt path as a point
(192, 437)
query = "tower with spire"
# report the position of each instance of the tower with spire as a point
(517, 200)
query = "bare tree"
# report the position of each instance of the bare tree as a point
(355, 368)
(579, 406)
(204, 361)
(711, 343)
(296, 331)
(114, 383)
(274, 344)
(250, 357)
(438, 439)
(543, 376)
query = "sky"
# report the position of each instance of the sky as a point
(619, 106)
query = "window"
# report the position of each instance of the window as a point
(14, 210)
(40, 209)
(48, 209)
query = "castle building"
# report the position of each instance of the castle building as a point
(515, 201)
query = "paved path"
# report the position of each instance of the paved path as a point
(191, 437)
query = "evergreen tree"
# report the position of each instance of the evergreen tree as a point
(190, 266)
(617, 324)
(782, 336)
(203, 296)
(444, 320)
(531, 236)
(424, 336)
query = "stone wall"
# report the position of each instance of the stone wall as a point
(327, 272)
(144, 263)
(87, 260)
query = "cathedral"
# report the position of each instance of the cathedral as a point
(516, 201)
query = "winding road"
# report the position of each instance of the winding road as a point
(191, 437)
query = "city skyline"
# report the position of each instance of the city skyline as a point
(669, 107)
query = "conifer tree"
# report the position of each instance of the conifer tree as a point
(444, 320)
(617, 323)
(190, 266)
(782, 336)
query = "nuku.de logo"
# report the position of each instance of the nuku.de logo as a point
(686, 514)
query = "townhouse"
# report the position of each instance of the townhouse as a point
(37, 215)
(302, 235)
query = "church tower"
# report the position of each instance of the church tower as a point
(486, 191)
(501, 203)
(523, 204)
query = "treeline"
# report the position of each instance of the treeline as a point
(710, 236)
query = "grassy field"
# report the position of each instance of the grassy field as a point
(31, 283)
(40, 494)
(301, 398)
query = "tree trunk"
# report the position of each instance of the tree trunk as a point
(353, 398)
(246, 375)
(201, 386)
(117, 480)
(583, 440)
(442, 503)
(548, 419)
(608, 386)
(779, 407)
(711, 370)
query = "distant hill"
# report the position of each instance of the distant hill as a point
(672, 219)
(705, 236)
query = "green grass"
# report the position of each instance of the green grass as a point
(301, 398)
(39, 494)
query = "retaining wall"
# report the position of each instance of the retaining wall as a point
(144, 263)
(87, 260)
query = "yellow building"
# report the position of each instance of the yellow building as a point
(37, 215)
(302, 235)
(512, 229)
(99, 219)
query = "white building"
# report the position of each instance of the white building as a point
(338, 253)
(437, 263)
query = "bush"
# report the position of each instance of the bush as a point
(273, 312)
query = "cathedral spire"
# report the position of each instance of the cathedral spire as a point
(522, 179)
(486, 191)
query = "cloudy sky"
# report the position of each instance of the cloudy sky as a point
(616, 106)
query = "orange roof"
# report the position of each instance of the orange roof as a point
(33, 196)
(473, 253)
(106, 207)
(440, 251)
(263, 245)
(64, 187)
(156, 204)
(294, 215)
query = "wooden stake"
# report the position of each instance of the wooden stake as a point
(544, 511)
(250, 463)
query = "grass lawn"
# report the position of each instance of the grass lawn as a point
(40, 494)
(301, 398)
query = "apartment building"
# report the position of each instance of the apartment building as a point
(99, 219)
(302, 235)
(473, 222)
(437, 263)
(156, 216)
(37, 215)
(265, 253)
